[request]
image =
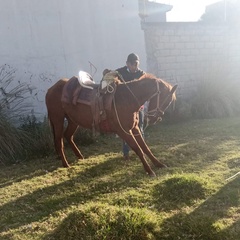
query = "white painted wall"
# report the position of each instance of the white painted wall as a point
(49, 39)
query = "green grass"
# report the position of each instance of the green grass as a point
(104, 197)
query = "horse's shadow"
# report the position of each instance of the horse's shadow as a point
(43, 202)
(26, 171)
(29, 169)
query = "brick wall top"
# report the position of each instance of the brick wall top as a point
(186, 53)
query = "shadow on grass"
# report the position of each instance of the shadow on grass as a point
(194, 144)
(88, 186)
(194, 156)
(29, 169)
(202, 222)
(233, 232)
(26, 170)
(178, 192)
(234, 163)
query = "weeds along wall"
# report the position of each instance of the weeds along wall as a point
(187, 53)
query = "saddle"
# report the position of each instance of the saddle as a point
(82, 89)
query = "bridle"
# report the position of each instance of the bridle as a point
(157, 111)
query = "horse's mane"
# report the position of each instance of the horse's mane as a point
(148, 75)
(161, 81)
(152, 76)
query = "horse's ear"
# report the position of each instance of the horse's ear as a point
(174, 89)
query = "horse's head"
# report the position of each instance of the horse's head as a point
(160, 101)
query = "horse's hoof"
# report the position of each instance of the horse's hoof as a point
(152, 175)
(80, 157)
(161, 165)
(164, 166)
(66, 165)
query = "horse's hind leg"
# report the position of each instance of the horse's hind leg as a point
(68, 134)
(56, 116)
(57, 128)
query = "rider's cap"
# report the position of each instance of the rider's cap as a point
(132, 58)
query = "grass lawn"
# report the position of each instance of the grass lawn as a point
(105, 197)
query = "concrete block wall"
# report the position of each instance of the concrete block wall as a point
(48, 40)
(186, 53)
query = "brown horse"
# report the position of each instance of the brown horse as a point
(122, 117)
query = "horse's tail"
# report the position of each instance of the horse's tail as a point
(50, 122)
(51, 126)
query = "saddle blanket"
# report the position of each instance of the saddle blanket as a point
(74, 93)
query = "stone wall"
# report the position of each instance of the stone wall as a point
(186, 53)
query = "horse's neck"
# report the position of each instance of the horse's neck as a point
(143, 89)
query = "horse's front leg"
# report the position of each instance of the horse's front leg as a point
(131, 141)
(138, 136)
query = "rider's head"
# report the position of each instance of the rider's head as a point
(132, 62)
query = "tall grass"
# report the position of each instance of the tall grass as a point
(37, 140)
(10, 141)
(14, 103)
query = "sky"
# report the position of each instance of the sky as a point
(186, 10)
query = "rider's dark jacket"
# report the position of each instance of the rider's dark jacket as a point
(128, 76)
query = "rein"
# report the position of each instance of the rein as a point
(114, 104)
(149, 113)
(120, 76)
